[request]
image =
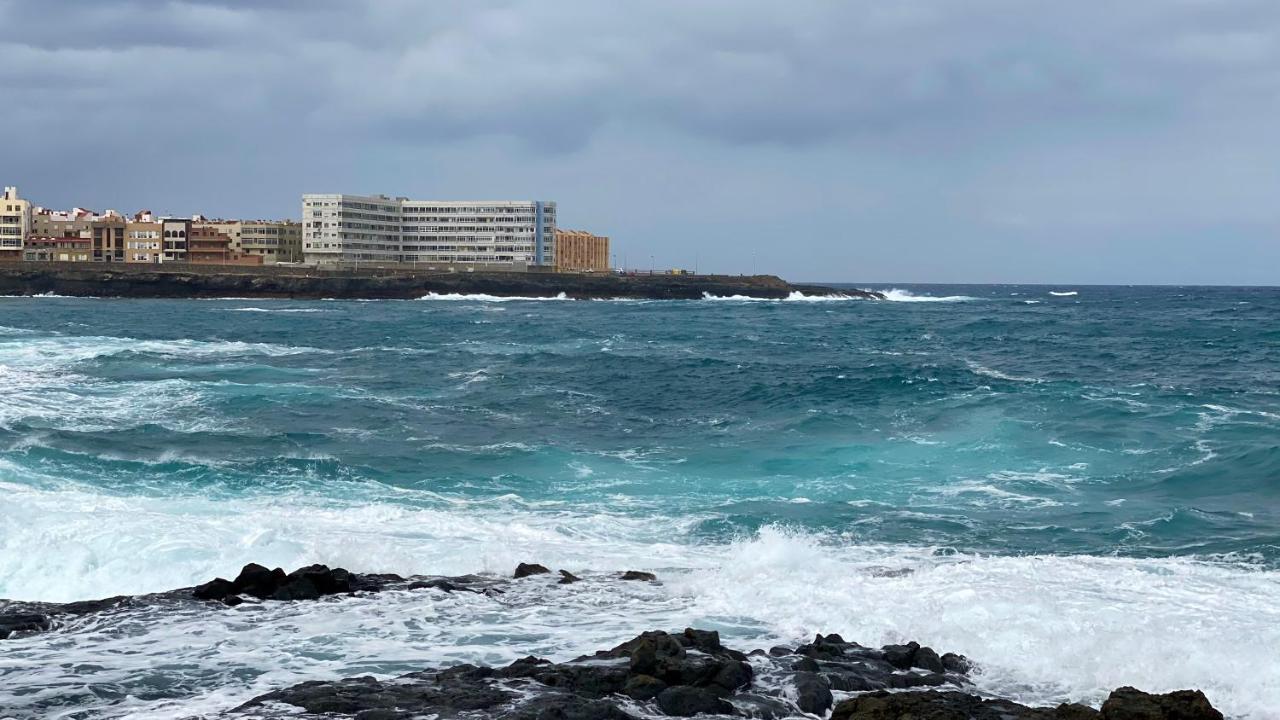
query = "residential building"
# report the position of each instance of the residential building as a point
(58, 249)
(144, 239)
(175, 232)
(207, 246)
(273, 241)
(580, 251)
(380, 229)
(15, 224)
(107, 232)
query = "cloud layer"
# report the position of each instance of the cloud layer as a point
(991, 140)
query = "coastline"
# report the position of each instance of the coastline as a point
(659, 673)
(212, 281)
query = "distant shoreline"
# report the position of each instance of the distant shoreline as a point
(305, 283)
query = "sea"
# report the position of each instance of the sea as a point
(1077, 487)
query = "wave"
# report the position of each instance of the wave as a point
(1068, 293)
(1043, 628)
(795, 296)
(277, 310)
(897, 295)
(479, 297)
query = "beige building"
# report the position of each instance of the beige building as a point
(580, 251)
(273, 241)
(15, 224)
(108, 237)
(144, 239)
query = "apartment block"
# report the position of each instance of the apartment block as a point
(207, 245)
(107, 232)
(273, 241)
(15, 224)
(175, 232)
(580, 251)
(60, 236)
(377, 228)
(144, 239)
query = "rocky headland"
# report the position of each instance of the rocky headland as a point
(212, 281)
(659, 673)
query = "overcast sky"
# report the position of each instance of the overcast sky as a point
(912, 140)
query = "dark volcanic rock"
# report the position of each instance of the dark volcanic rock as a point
(308, 583)
(14, 623)
(568, 578)
(638, 575)
(1128, 703)
(691, 673)
(524, 570)
(688, 701)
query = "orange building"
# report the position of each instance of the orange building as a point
(207, 246)
(580, 251)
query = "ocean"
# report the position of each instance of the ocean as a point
(1076, 487)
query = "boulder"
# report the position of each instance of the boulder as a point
(638, 575)
(1128, 703)
(524, 570)
(685, 701)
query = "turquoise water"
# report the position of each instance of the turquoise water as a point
(1073, 474)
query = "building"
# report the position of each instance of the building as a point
(379, 229)
(107, 232)
(273, 241)
(206, 245)
(15, 224)
(58, 236)
(175, 232)
(144, 239)
(580, 251)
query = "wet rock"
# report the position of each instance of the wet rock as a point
(216, 589)
(643, 687)
(927, 659)
(16, 623)
(813, 693)
(952, 662)
(685, 701)
(1128, 703)
(524, 570)
(931, 705)
(638, 575)
(568, 578)
(308, 583)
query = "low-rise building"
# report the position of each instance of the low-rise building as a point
(15, 224)
(175, 232)
(107, 232)
(58, 249)
(144, 239)
(206, 245)
(581, 251)
(273, 241)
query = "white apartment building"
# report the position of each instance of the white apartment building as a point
(15, 224)
(354, 228)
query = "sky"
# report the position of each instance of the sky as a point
(856, 140)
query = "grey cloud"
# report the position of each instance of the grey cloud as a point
(911, 119)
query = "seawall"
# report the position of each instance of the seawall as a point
(212, 281)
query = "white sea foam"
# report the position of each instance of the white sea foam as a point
(795, 296)
(1068, 293)
(277, 310)
(897, 295)
(1044, 629)
(479, 297)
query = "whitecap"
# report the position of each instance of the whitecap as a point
(897, 295)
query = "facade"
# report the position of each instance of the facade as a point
(107, 232)
(175, 232)
(15, 224)
(144, 240)
(273, 241)
(580, 251)
(354, 228)
(58, 249)
(206, 245)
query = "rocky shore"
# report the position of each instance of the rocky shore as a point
(659, 673)
(208, 281)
